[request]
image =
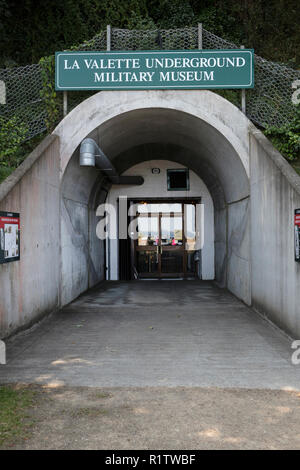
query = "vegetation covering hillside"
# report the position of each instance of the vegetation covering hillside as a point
(32, 29)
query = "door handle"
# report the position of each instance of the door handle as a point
(157, 253)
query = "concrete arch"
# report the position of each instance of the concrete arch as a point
(198, 129)
(185, 136)
(102, 107)
(254, 203)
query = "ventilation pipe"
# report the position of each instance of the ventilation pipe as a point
(92, 156)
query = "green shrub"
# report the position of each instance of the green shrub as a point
(136, 21)
(287, 138)
(5, 172)
(48, 93)
(13, 149)
(13, 132)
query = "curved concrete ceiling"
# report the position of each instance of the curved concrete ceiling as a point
(145, 134)
(177, 154)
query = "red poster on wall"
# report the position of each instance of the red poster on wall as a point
(9, 237)
(297, 234)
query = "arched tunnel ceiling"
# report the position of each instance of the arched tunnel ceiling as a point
(145, 134)
(177, 154)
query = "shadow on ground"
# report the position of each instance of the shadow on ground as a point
(163, 418)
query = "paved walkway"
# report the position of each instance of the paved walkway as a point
(154, 333)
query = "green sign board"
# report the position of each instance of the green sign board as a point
(142, 70)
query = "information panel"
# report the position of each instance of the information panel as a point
(297, 235)
(140, 70)
(9, 237)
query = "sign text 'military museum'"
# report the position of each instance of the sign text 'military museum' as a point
(138, 70)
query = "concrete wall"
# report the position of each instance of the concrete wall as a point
(221, 246)
(156, 186)
(275, 194)
(238, 250)
(29, 288)
(82, 253)
(232, 248)
(60, 254)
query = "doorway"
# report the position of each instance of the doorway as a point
(165, 246)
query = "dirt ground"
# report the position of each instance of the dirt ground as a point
(162, 418)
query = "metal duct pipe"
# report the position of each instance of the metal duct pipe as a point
(92, 156)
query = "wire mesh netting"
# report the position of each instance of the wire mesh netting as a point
(130, 40)
(269, 103)
(23, 100)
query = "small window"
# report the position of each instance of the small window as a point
(178, 180)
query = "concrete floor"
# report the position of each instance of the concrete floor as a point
(154, 333)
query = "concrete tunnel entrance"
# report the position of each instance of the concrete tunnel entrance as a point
(249, 192)
(158, 130)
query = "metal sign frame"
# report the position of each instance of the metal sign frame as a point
(9, 237)
(149, 70)
(297, 235)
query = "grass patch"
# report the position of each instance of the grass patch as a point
(14, 418)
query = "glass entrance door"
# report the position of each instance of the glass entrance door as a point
(163, 247)
(172, 241)
(148, 243)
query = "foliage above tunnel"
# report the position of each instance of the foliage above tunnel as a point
(34, 28)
